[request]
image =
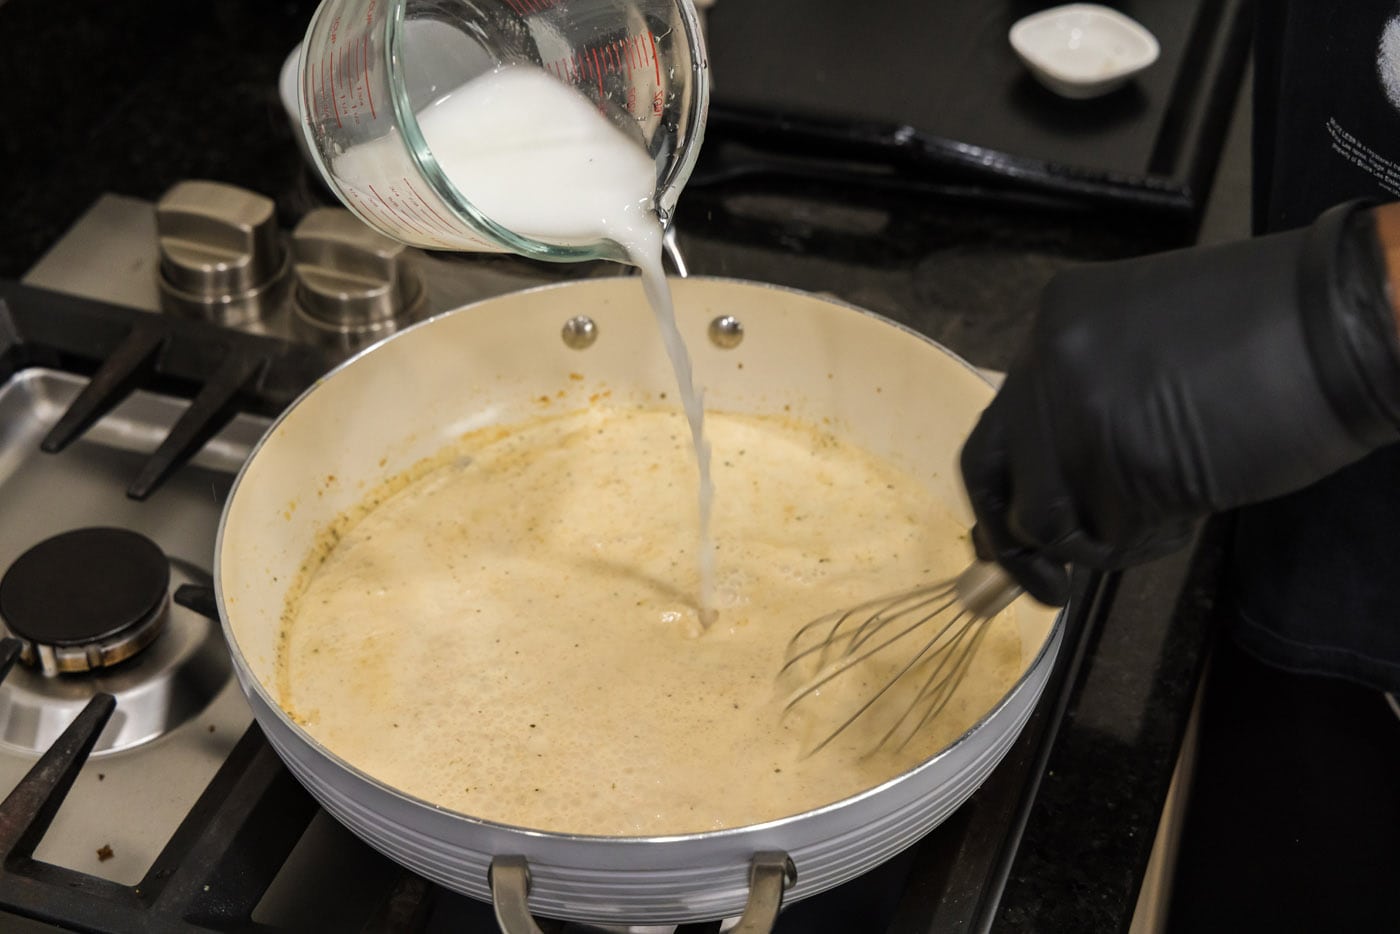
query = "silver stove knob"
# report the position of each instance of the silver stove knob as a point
(353, 285)
(221, 258)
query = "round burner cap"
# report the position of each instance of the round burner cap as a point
(86, 599)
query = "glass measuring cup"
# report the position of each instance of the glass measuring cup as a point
(369, 67)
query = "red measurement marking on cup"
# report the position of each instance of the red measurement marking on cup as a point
(599, 72)
(356, 70)
(402, 210)
(367, 207)
(377, 212)
(417, 208)
(369, 93)
(405, 221)
(428, 206)
(407, 208)
(345, 93)
(329, 68)
(626, 55)
(343, 100)
(351, 64)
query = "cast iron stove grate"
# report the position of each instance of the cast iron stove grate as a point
(222, 372)
(210, 876)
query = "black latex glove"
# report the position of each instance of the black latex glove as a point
(1156, 390)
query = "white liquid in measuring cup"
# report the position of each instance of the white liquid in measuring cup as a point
(539, 159)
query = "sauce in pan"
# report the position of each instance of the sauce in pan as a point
(511, 630)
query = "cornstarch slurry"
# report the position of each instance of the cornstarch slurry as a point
(587, 181)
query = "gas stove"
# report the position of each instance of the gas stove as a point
(145, 799)
(205, 829)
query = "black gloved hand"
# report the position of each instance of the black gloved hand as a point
(1153, 391)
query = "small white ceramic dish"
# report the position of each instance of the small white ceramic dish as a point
(1083, 50)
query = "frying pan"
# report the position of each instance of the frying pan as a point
(896, 393)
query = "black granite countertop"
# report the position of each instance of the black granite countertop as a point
(130, 97)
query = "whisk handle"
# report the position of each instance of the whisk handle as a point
(985, 588)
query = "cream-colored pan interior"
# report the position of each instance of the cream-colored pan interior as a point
(503, 360)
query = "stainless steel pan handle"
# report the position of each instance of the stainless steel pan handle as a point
(509, 878)
(770, 875)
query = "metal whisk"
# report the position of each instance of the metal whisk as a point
(932, 631)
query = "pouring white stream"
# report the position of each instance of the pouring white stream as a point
(540, 160)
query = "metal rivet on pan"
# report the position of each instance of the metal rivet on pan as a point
(726, 332)
(580, 332)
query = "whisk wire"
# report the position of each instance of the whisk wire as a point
(828, 673)
(872, 623)
(900, 606)
(847, 638)
(937, 691)
(888, 685)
